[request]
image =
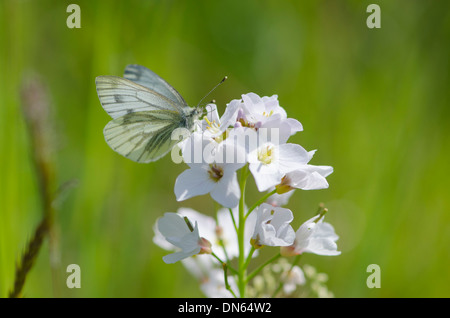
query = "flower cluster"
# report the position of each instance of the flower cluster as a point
(250, 137)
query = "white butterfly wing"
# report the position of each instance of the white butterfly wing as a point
(143, 136)
(145, 111)
(143, 76)
(120, 96)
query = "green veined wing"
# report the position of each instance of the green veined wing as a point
(142, 136)
(145, 77)
(145, 112)
(120, 96)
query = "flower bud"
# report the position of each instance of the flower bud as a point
(205, 246)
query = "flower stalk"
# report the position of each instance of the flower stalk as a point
(241, 229)
(254, 131)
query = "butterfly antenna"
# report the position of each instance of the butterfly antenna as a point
(223, 80)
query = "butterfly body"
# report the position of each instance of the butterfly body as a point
(145, 110)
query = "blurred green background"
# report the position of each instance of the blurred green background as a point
(374, 102)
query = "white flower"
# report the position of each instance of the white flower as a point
(292, 278)
(313, 236)
(307, 177)
(221, 234)
(272, 227)
(213, 126)
(210, 173)
(211, 130)
(270, 162)
(177, 232)
(258, 112)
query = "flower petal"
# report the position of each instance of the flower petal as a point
(193, 182)
(292, 157)
(178, 256)
(172, 224)
(226, 191)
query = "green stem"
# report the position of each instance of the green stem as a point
(260, 201)
(249, 257)
(224, 263)
(296, 260)
(232, 218)
(225, 276)
(256, 271)
(240, 234)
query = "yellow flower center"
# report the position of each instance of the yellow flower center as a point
(266, 155)
(213, 127)
(268, 114)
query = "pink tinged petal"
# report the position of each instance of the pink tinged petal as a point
(241, 114)
(226, 191)
(193, 182)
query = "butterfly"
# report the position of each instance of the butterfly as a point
(145, 110)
